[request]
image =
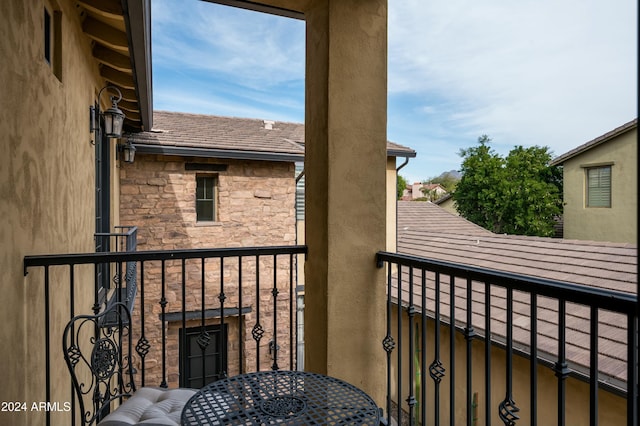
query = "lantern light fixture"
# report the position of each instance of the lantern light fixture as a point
(113, 117)
(128, 151)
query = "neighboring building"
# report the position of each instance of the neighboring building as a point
(207, 181)
(448, 203)
(600, 180)
(420, 190)
(428, 231)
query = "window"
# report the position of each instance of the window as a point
(53, 38)
(200, 366)
(48, 37)
(206, 194)
(599, 187)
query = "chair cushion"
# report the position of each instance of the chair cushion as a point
(150, 407)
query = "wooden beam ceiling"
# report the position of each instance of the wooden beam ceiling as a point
(104, 24)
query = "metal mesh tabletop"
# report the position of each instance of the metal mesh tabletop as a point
(283, 398)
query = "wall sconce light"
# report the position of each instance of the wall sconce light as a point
(113, 117)
(128, 151)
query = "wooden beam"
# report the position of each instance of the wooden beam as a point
(107, 8)
(128, 94)
(112, 58)
(119, 78)
(133, 116)
(263, 7)
(128, 105)
(105, 34)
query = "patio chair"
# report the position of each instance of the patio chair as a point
(98, 352)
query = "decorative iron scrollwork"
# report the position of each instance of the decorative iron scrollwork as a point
(74, 355)
(203, 340)
(507, 412)
(104, 358)
(257, 332)
(283, 406)
(437, 371)
(388, 343)
(142, 347)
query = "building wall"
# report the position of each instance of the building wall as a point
(46, 193)
(450, 206)
(391, 204)
(256, 207)
(611, 407)
(615, 224)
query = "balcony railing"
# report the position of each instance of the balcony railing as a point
(123, 240)
(441, 314)
(447, 314)
(246, 293)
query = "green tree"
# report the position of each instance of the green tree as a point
(447, 180)
(520, 194)
(401, 183)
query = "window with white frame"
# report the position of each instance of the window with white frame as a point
(598, 186)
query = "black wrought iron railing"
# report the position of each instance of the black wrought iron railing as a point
(185, 297)
(124, 239)
(471, 331)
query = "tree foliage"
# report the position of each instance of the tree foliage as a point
(520, 194)
(447, 180)
(401, 183)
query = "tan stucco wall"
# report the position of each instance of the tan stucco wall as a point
(345, 124)
(612, 408)
(46, 194)
(615, 224)
(450, 206)
(391, 204)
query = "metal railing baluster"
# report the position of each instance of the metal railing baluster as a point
(469, 334)
(411, 312)
(533, 359)
(562, 370)
(593, 368)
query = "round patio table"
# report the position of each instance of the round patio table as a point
(282, 398)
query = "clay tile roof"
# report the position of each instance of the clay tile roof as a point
(177, 129)
(397, 150)
(428, 217)
(256, 138)
(611, 266)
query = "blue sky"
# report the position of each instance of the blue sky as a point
(527, 72)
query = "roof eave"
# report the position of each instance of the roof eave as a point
(261, 6)
(595, 142)
(183, 151)
(401, 153)
(138, 23)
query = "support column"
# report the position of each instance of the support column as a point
(346, 119)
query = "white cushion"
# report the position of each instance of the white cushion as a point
(150, 407)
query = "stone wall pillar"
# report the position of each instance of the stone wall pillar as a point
(345, 124)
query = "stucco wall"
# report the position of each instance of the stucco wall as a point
(391, 204)
(612, 408)
(615, 224)
(46, 192)
(256, 207)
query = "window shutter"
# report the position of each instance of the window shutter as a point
(599, 187)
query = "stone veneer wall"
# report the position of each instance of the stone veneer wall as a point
(255, 208)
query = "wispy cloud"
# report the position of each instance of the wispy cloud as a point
(526, 72)
(254, 50)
